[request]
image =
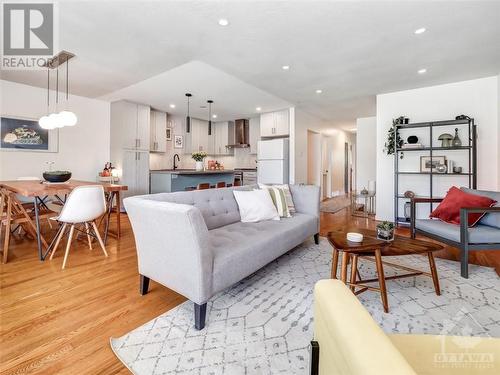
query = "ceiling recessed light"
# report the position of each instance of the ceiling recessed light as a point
(422, 71)
(420, 31)
(285, 67)
(319, 91)
(223, 22)
(172, 106)
(258, 109)
(214, 116)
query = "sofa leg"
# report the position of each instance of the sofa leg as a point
(144, 285)
(200, 312)
(464, 262)
(316, 238)
(314, 366)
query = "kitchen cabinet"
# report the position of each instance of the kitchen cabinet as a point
(275, 124)
(158, 128)
(254, 131)
(130, 125)
(135, 172)
(224, 134)
(198, 138)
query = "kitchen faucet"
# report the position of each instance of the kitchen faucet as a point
(178, 159)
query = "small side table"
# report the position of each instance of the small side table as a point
(368, 207)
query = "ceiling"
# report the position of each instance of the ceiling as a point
(350, 50)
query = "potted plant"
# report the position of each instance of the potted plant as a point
(198, 158)
(394, 140)
(385, 231)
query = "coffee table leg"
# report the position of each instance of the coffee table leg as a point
(343, 271)
(381, 279)
(435, 278)
(354, 269)
(335, 263)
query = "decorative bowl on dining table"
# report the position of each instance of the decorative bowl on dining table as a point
(57, 176)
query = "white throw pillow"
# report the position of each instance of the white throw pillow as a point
(255, 206)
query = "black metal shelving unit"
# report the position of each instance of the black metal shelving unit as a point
(471, 149)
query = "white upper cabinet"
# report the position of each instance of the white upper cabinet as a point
(275, 124)
(254, 131)
(223, 132)
(158, 126)
(198, 139)
(130, 125)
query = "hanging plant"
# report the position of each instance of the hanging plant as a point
(390, 146)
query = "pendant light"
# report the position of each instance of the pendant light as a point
(210, 116)
(68, 118)
(188, 119)
(44, 121)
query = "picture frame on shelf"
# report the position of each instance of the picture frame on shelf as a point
(19, 133)
(427, 164)
(169, 134)
(178, 141)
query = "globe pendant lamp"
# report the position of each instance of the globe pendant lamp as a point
(210, 116)
(188, 119)
(44, 121)
(68, 118)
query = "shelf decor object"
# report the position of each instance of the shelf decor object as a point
(429, 163)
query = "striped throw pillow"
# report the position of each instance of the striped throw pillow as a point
(288, 195)
(279, 200)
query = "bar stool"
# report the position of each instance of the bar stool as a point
(203, 186)
(220, 185)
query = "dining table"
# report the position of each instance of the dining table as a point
(39, 191)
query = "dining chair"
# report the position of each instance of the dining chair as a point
(220, 185)
(203, 186)
(83, 206)
(28, 203)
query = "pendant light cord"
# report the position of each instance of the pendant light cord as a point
(48, 89)
(67, 79)
(57, 86)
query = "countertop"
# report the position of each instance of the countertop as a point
(191, 171)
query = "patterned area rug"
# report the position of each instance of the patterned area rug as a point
(263, 325)
(335, 204)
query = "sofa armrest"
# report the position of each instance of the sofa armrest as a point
(413, 210)
(173, 246)
(464, 219)
(306, 199)
(350, 341)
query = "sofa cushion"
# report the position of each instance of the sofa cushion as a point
(478, 234)
(242, 248)
(218, 206)
(493, 218)
(449, 209)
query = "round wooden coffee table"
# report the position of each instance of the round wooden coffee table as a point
(374, 249)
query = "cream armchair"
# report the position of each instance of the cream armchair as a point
(349, 342)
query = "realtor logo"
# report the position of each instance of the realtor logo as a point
(30, 33)
(28, 29)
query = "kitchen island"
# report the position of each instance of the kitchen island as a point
(170, 180)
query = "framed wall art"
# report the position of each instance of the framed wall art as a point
(426, 164)
(178, 141)
(25, 134)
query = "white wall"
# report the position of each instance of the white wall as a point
(314, 158)
(83, 149)
(366, 151)
(476, 98)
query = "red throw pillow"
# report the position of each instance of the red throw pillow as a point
(449, 209)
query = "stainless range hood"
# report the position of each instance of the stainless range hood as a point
(241, 134)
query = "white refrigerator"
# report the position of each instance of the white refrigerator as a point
(272, 161)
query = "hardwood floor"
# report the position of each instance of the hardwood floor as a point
(60, 321)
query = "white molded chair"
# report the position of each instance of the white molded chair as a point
(83, 206)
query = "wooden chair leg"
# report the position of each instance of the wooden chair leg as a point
(343, 271)
(381, 279)
(96, 231)
(68, 245)
(89, 239)
(335, 263)
(7, 229)
(354, 269)
(61, 235)
(435, 278)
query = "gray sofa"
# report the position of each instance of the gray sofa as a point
(195, 244)
(485, 235)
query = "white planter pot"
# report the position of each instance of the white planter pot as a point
(199, 166)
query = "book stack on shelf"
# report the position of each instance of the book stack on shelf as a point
(412, 145)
